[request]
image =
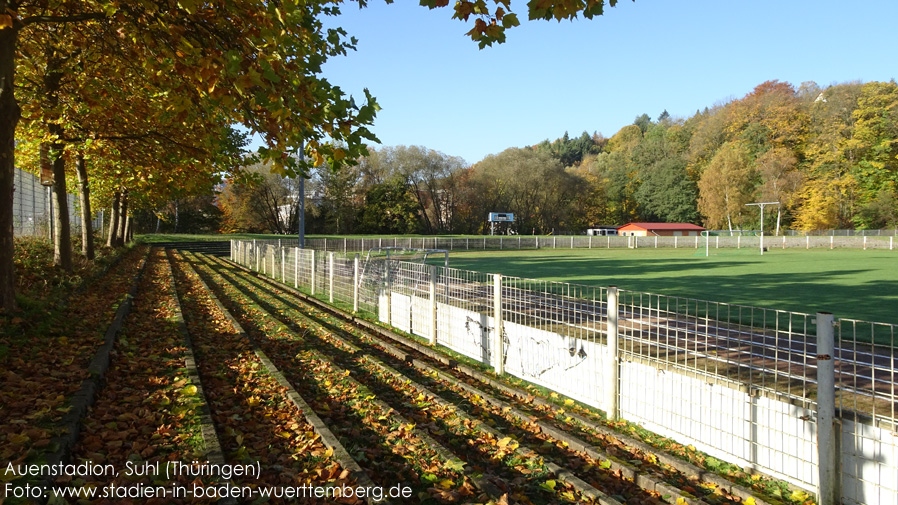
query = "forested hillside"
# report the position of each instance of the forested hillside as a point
(829, 156)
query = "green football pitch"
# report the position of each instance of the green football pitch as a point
(850, 283)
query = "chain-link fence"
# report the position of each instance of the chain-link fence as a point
(740, 383)
(34, 208)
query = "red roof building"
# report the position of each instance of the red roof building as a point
(660, 230)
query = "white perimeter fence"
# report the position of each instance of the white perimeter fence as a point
(34, 208)
(721, 241)
(804, 398)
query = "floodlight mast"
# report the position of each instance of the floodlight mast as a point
(302, 201)
(761, 205)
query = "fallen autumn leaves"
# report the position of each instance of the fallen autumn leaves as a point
(396, 420)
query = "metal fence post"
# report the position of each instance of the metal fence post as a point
(612, 363)
(497, 344)
(283, 264)
(389, 298)
(312, 289)
(296, 267)
(330, 277)
(256, 254)
(355, 284)
(827, 446)
(433, 305)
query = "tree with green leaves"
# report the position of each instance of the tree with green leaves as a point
(532, 184)
(780, 179)
(256, 66)
(726, 186)
(571, 152)
(390, 208)
(429, 174)
(666, 193)
(874, 139)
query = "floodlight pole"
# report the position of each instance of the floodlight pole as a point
(302, 201)
(761, 205)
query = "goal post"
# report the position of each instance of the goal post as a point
(412, 254)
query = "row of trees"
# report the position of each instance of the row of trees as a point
(140, 98)
(829, 156)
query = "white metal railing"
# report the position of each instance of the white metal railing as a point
(745, 384)
(716, 240)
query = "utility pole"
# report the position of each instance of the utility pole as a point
(302, 201)
(761, 205)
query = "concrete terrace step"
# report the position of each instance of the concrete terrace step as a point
(215, 248)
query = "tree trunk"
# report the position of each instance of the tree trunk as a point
(62, 243)
(113, 220)
(176, 216)
(9, 118)
(52, 83)
(87, 232)
(122, 218)
(779, 213)
(129, 231)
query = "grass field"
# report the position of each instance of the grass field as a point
(850, 283)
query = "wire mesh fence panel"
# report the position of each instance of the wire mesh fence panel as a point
(867, 399)
(372, 284)
(322, 269)
(291, 270)
(739, 382)
(344, 278)
(463, 312)
(305, 266)
(31, 205)
(555, 335)
(765, 349)
(34, 208)
(410, 288)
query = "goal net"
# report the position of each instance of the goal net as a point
(379, 259)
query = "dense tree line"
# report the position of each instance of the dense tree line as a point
(829, 156)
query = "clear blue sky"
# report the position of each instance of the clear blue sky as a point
(438, 90)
